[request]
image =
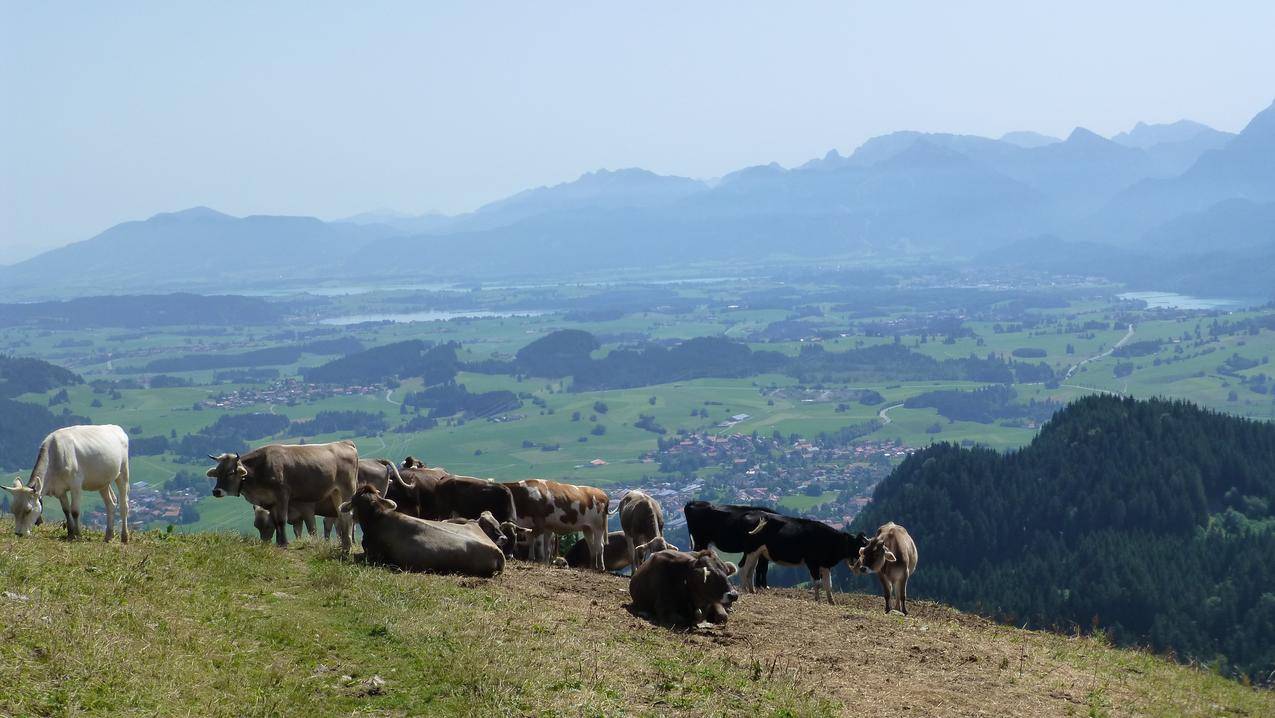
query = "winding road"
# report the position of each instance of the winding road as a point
(1123, 340)
(885, 417)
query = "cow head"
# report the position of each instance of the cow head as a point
(708, 582)
(229, 473)
(873, 557)
(853, 547)
(511, 534)
(365, 502)
(26, 504)
(412, 462)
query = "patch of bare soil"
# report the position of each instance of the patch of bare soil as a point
(935, 662)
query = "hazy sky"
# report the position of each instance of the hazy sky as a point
(116, 111)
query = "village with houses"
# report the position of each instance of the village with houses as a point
(286, 392)
(762, 470)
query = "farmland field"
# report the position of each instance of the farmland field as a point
(621, 436)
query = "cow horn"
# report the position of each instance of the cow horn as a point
(214, 458)
(705, 570)
(394, 474)
(760, 526)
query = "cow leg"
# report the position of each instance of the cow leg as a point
(66, 511)
(108, 502)
(759, 579)
(750, 565)
(309, 524)
(826, 578)
(633, 560)
(76, 493)
(903, 595)
(279, 515)
(885, 591)
(327, 528)
(597, 547)
(296, 529)
(121, 483)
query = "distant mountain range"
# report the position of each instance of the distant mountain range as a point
(1156, 192)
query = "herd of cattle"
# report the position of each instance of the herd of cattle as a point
(418, 518)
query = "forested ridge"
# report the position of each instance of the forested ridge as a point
(1148, 519)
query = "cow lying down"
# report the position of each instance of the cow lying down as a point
(683, 588)
(505, 534)
(413, 544)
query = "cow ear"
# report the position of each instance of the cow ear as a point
(731, 568)
(890, 557)
(211, 473)
(239, 469)
(390, 504)
(344, 508)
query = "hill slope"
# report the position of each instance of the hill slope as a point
(1149, 519)
(216, 625)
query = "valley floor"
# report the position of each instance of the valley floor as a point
(213, 625)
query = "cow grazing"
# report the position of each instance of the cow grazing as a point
(891, 555)
(276, 475)
(642, 521)
(726, 527)
(550, 507)
(792, 541)
(683, 588)
(71, 460)
(413, 544)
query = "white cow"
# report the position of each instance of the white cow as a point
(72, 460)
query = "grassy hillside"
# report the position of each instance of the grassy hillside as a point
(214, 625)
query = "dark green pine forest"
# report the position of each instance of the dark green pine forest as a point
(1148, 520)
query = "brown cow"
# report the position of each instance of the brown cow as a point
(891, 555)
(642, 521)
(437, 495)
(683, 588)
(299, 515)
(276, 475)
(550, 507)
(413, 544)
(616, 556)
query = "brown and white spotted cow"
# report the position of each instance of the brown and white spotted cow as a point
(552, 508)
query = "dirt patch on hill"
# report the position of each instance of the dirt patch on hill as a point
(936, 661)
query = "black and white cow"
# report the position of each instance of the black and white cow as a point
(727, 527)
(792, 541)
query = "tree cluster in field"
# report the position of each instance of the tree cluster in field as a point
(23, 426)
(412, 358)
(985, 405)
(1151, 520)
(450, 399)
(355, 423)
(270, 356)
(146, 310)
(569, 353)
(20, 375)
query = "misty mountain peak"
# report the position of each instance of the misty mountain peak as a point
(1145, 135)
(192, 214)
(1028, 139)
